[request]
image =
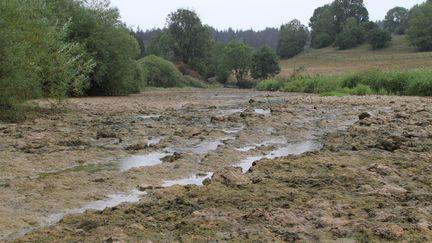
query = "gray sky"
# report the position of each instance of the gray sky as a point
(238, 14)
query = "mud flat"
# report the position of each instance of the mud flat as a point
(347, 169)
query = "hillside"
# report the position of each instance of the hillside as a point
(399, 55)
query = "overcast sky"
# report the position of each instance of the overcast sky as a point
(238, 14)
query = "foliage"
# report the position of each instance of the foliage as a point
(163, 73)
(419, 26)
(346, 9)
(331, 20)
(160, 72)
(97, 26)
(396, 19)
(255, 39)
(237, 59)
(293, 38)
(323, 27)
(270, 85)
(378, 38)
(415, 82)
(352, 35)
(161, 44)
(265, 63)
(35, 61)
(191, 38)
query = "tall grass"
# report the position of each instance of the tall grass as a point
(413, 83)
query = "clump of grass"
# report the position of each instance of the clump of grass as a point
(414, 82)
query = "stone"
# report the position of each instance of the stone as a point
(364, 115)
(231, 176)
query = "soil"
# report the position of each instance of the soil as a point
(367, 176)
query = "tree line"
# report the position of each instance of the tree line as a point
(62, 48)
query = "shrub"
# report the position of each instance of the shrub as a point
(269, 85)
(378, 38)
(265, 63)
(160, 72)
(361, 89)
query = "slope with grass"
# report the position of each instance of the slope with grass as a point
(399, 55)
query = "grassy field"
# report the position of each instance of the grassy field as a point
(399, 55)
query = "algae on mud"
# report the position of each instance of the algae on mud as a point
(370, 181)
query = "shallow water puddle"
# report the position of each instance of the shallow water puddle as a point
(151, 116)
(265, 112)
(111, 201)
(198, 148)
(142, 161)
(231, 111)
(247, 148)
(154, 141)
(233, 130)
(290, 149)
(193, 180)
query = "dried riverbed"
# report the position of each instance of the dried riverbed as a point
(367, 179)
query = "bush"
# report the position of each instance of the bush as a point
(361, 89)
(269, 85)
(36, 61)
(351, 36)
(160, 72)
(378, 38)
(190, 81)
(265, 63)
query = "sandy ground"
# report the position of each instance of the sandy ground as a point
(368, 179)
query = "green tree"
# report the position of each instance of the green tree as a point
(35, 61)
(419, 26)
(323, 27)
(191, 38)
(237, 59)
(265, 63)
(97, 26)
(161, 44)
(293, 38)
(352, 35)
(396, 19)
(345, 9)
(378, 38)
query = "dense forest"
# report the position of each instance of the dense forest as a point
(63, 48)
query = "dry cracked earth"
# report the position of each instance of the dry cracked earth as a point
(219, 166)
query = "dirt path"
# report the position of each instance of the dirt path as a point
(103, 149)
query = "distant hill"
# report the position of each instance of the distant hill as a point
(399, 55)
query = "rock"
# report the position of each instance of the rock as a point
(380, 169)
(392, 190)
(106, 133)
(231, 176)
(172, 158)
(364, 115)
(390, 232)
(402, 115)
(138, 146)
(144, 187)
(391, 143)
(215, 119)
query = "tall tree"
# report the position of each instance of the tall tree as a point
(323, 27)
(265, 63)
(352, 35)
(345, 9)
(293, 38)
(419, 26)
(396, 19)
(191, 38)
(237, 58)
